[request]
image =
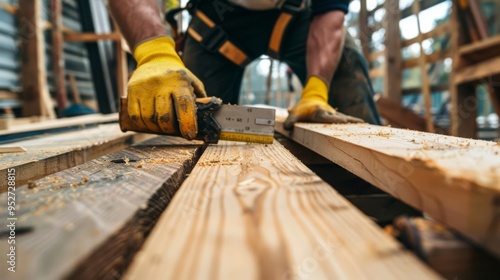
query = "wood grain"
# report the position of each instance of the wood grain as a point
(88, 221)
(256, 212)
(455, 180)
(57, 152)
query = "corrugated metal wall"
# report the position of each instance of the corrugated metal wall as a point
(9, 51)
(75, 54)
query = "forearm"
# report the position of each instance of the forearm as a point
(138, 20)
(324, 44)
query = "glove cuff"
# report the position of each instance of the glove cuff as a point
(156, 49)
(316, 88)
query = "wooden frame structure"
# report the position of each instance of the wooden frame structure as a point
(468, 69)
(36, 97)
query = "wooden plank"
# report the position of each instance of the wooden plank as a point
(88, 221)
(444, 250)
(57, 152)
(392, 62)
(90, 37)
(454, 180)
(426, 90)
(35, 94)
(12, 149)
(255, 212)
(58, 55)
(62, 123)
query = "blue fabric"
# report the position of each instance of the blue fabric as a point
(323, 6)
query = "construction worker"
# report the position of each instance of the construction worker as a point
(223, 37)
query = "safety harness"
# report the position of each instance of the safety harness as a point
(215, 40)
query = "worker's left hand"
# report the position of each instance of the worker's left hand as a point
(314, 107)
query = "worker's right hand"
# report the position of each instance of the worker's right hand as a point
(162, 91)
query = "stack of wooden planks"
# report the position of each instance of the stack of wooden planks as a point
(241, 210)
(455, 180)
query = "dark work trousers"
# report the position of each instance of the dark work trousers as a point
(351, 91)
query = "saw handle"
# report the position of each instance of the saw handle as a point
(208, 128)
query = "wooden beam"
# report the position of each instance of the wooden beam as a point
(392, 63)
(480, 51)
(256, 212)
(58, 55)
(87, 222)
(57, 152)
(426, 90)
(440, 30)
(11, 9)
(401, 117)
(121, 69)
(35, 95)
(431, 58)
(466, 110)
(477, 71)
(90, 37)
(425, 4)
(364, 30)
(454, 180)
(378, 7)
(418, 90)
(478, 18)
(457, 39)
(5, 94)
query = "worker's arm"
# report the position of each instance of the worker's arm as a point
(324, 49)
(161, 91)
(324, 44)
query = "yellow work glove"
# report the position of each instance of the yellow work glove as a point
(161, 91)
(313, 106)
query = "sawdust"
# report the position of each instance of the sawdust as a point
(185, 155)
(233, 161)
(385, 134)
